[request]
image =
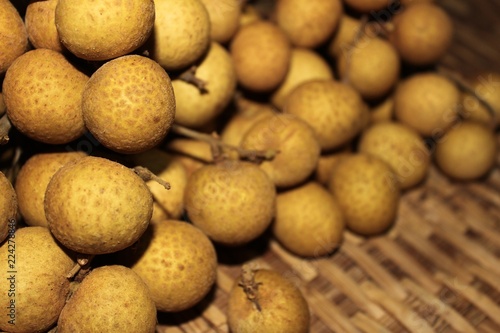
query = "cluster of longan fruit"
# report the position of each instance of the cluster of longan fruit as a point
(212, 121)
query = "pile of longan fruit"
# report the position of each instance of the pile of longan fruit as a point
(141, 137)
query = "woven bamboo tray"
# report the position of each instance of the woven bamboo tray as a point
(437, 270)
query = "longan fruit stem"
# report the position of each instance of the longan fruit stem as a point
(147, 175)
(5, 126)
(213, 139)
(250, 287)
(82, 262)
(189, 76)
(464, 86)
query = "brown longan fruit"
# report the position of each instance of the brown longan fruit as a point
(422, 34)
(261, 54)
(278, 306)
(40, 23)
(13, 36)
(467, 151)
(233, 202)
(109, 299)
(97, 206)
(129, 104)
(400, 147)
(367, 192)
(177, 262)
(428, 103)
(308, 220)
(305, 65)
(104, 30)
(8, 206)
(366, 6)
(308, 23)
(32, 181)
(334, 110)
(372, 68)
(486, 86)
(294, 140)
(39, 286)
(224, 18)
(195, 108)
(43, 95)
(181, 33)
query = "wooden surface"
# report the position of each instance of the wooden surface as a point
(437, 270)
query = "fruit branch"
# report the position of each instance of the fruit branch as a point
(83, 261)
(5, 126)
(147, 175)
(189, 76)
(216, 144)
(464, 86)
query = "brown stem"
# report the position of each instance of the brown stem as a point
(82, 261)
(147, 175)
(465, 86)
(189, 76)
(251, 155)
(5, 126)
(250, 287)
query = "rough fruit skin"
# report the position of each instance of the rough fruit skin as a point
(283, 307)
(8, 205)
(40, 23)
(308, 220)
(467, 151)
(232, 202)
(97, 206)
(178, 263)
(368, 193)
(104, 29)
(261, 54)
(32, 181)
(43, 94)
(13, 36)
(400, 147)
(41, 286)
(129, 104)
(109, 299)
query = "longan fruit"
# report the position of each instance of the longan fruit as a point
(345, 34)
(8, 206)
(43, 94)
(366, 6)
(177, 262)
(487, 87)
(195, 108)
(104, 30)
(297, 145)
(372, 69)
(39, 286)
(109, 299)
(383, 111)
(308, 220)
(233, 202)
(96, 206)
(305, 65)
(327, 164)
(248, 113)
(427, 102)
(281, 305)
(169, 169)
(367, 192)
(334, 110)
(129, 104)
(224, 18)
(422, 34)
(467, 151)
(261, 54)
(40, 23)
(13, 35)
(32, 181)
(181, 33)
(400, 147)
(308, 23)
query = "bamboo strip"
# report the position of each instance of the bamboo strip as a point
(367, 324)
(304, 268)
